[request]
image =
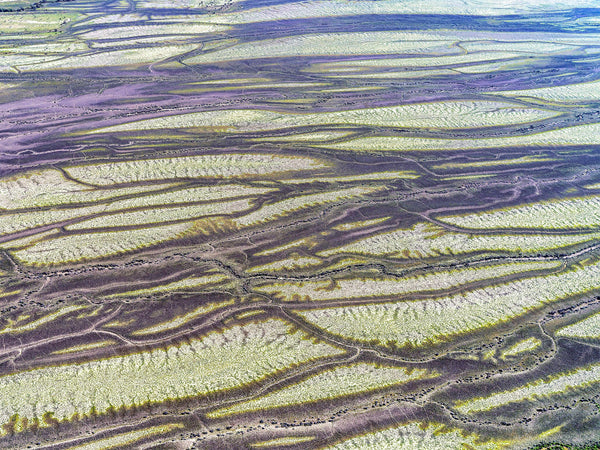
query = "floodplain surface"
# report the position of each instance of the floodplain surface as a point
(230, 224)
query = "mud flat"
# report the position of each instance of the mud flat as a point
(299, 224)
